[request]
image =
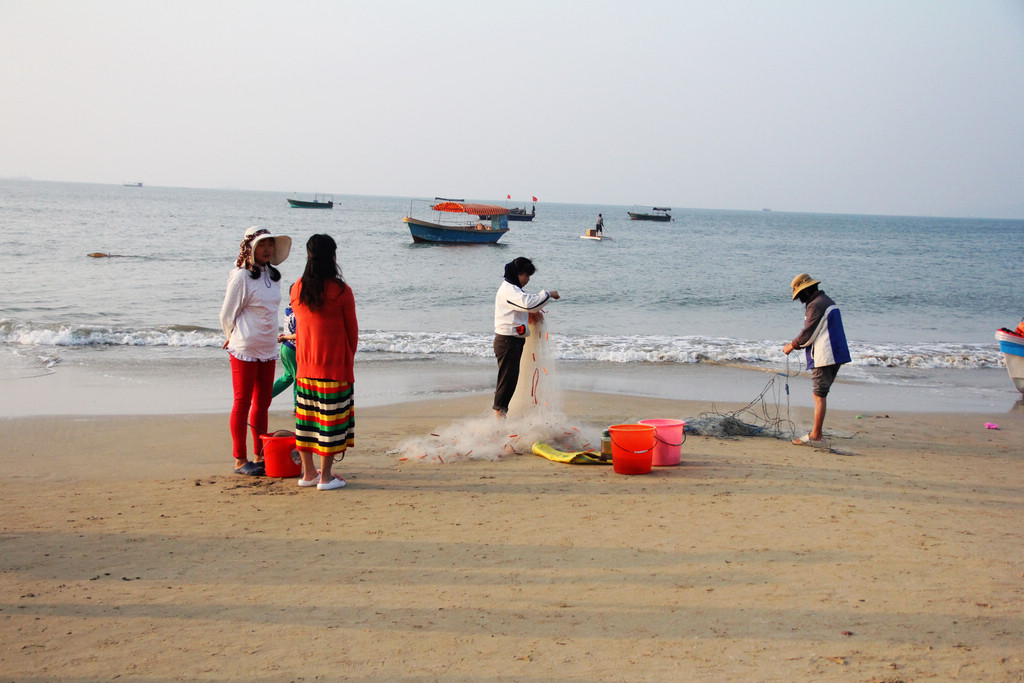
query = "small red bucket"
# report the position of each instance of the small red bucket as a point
(632, 448)
(280, 457)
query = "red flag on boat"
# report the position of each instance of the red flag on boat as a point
(534, 199)
(508, 196)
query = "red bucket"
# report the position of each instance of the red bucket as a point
(280, 457)
(632, 448)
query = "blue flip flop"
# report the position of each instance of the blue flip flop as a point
(253, 469)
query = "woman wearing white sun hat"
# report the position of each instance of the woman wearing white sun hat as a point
(248, 318)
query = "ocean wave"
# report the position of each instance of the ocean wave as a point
(58, 334)
(406, 345)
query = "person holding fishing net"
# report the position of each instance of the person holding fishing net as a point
(824, 340)
(514, 310)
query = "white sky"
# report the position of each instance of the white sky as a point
(851, 106)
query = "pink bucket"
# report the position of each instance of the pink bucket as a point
(669, 438)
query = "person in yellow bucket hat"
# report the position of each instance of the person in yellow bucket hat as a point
(824, 340)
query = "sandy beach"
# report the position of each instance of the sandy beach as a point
(130, 550)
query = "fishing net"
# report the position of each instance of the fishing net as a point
(763, 416)
(534, 414)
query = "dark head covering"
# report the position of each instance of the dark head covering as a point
(511, 276)
(516, 266)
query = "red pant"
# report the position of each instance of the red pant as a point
(253, 383)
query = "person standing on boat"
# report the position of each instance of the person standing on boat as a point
(824, 340)
(326, 336)
(248, 318)
(514, 310)
(599, 226)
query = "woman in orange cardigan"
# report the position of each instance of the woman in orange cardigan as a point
(325, 347)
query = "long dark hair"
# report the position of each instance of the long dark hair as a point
(321, 266)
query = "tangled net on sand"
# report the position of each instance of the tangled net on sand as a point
(760, 417)
(534, 415)
(487, 438)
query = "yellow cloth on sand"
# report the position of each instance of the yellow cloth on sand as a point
(570, 457)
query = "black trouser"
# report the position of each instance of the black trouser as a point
(508, 351)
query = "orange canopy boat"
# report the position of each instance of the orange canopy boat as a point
(458, 222)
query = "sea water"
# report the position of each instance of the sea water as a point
(658, 309)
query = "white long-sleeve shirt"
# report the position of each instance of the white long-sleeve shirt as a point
(249, 316)
(512, 308)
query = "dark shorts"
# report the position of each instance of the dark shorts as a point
(822, 379)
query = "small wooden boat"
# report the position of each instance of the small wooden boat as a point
(315, 204)
(657, 213)
(518, 214)
(453, 223)
(1011, 343)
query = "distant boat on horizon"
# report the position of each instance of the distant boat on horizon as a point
(315, 204)
(662, 214)
(135, 184)
(520, 214)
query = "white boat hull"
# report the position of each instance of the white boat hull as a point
(1012, 346)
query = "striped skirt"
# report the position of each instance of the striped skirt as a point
(324, 417)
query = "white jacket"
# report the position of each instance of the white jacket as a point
(512, 308)
(249, 316)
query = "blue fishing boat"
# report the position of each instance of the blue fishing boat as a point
(456, 222)
(1011, 343)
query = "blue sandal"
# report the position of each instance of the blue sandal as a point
(253, 469)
